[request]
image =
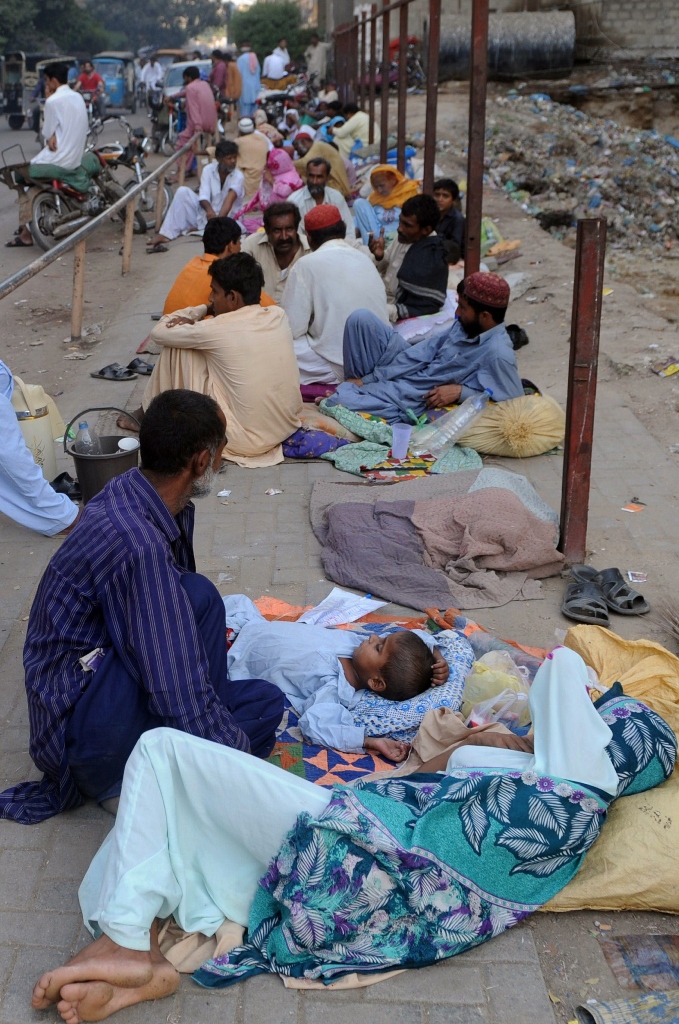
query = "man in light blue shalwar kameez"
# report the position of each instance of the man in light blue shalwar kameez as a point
(250, 71)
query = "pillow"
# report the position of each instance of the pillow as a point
(517, 428)
(400, 720)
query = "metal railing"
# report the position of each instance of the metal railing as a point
(78, 240)
(356, 78)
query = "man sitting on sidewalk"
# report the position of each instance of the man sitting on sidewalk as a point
(241, 354)
(125, 636)
(317, 192)
(278, 248)
(386, 376)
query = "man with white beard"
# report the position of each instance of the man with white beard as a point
(125, 636)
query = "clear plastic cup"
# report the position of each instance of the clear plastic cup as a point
(400, 440)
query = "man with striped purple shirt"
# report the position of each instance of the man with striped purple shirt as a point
(124, 585)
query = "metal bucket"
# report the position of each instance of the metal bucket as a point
(95, 471)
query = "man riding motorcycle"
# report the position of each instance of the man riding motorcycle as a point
(65, 132)
(90, 81)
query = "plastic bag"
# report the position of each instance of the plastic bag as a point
(507, 708)
(490, 675)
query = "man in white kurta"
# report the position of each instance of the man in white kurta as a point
(221, 194)
(239, 353)
(331, 282)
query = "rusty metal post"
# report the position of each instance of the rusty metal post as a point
(384, 87)
(590, 256)
(402, 88)
(79, 254)
(160, 202)
(361, 61)
(353, 58)
(477, 135)
(432, 95)
(128, 235)
(372, 73)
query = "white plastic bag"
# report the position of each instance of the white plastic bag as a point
(506, 708)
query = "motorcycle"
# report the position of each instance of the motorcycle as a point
(157, 117)
(176, 122)
(133, 156)
(58, 209)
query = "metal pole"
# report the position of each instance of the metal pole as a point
(181, 170)
(373, 72)
(160, 202)
(432, 95)
(590, 256)
(361, 62)
(78, 290)
(353, 59)
(477, 135)
(384, 88)
(127, 236)
(402, 88)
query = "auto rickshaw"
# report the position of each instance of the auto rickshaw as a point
(21, 77)
(116, 67)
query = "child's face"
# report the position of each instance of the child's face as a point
(444, 200)
(370, 658)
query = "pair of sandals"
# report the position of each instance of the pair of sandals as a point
(593, 593)
(114, 371)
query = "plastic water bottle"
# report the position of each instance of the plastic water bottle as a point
(437, 437)
(86, 441)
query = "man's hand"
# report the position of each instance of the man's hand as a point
(177, 320)
(52, 143)
(376, 245)
(393, 750)
(440, 671)
(353, 380)
(444, 394)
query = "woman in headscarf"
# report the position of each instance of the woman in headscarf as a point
(382, 208)
(279, 179)
(262, 125)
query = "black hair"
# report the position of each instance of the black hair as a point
(57, 69)
(227, 147)
(317, 238)
(351, 108)
(498, 315)
(218, 54)
(408, 671)
(239, 273)
(193, 73)
(220, 232)
(177, 425)
(281, 210)
(424, 209)
(334, 105)
(317, 161)
(447, 185)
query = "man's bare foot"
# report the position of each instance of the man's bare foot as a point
(102, 960)
(96, 1000)
(157, 239)
(126, 422)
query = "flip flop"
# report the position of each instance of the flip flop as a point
(585, 602)
(617, 593)
(159, 247)
(65, 484)
(141, 366)
(18, 243)
(114, 371)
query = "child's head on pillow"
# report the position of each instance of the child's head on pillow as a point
(397, 667)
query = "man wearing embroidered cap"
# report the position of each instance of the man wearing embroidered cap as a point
(385, 375)
(324, 288)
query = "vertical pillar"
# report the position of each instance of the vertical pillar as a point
(361, 62)
(432, 94)
(373, 73)
(160, 202)
(402, 88)
(127, 236)
(590, 256)
(79, 253)
(384, 87)
(477, 135)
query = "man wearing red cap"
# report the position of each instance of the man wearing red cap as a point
(385, 376)
(323, 290)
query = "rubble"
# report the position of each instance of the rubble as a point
(562, 164)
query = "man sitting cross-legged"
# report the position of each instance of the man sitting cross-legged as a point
(317, 191)
(241, 354)
(124, 635)
(279, 247)
(386, 376)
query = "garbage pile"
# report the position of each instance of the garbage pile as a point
(562, 165)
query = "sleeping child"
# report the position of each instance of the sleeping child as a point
(324, 672)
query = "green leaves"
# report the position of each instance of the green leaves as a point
(267, 21)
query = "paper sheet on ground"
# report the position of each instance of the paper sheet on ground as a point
(340, 607)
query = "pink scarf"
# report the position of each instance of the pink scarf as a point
(286, 180)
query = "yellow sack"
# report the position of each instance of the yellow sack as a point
(518, 428)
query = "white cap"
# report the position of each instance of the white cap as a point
(246, 125)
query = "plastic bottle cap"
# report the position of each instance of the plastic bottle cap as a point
(488, 392)
(83, 425)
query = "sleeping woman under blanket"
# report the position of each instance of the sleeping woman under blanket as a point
(326, 673)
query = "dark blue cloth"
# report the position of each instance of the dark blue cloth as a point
(115, 582)
(113, 711)
(397, 375)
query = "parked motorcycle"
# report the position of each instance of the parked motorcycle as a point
(157, 116)
(133, 156)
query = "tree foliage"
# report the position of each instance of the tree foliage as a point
(267, 21)
(162, 23)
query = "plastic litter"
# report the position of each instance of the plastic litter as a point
(440, 435)
(272, 490)
(493, 674)
(506, 709)
(223, 494)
